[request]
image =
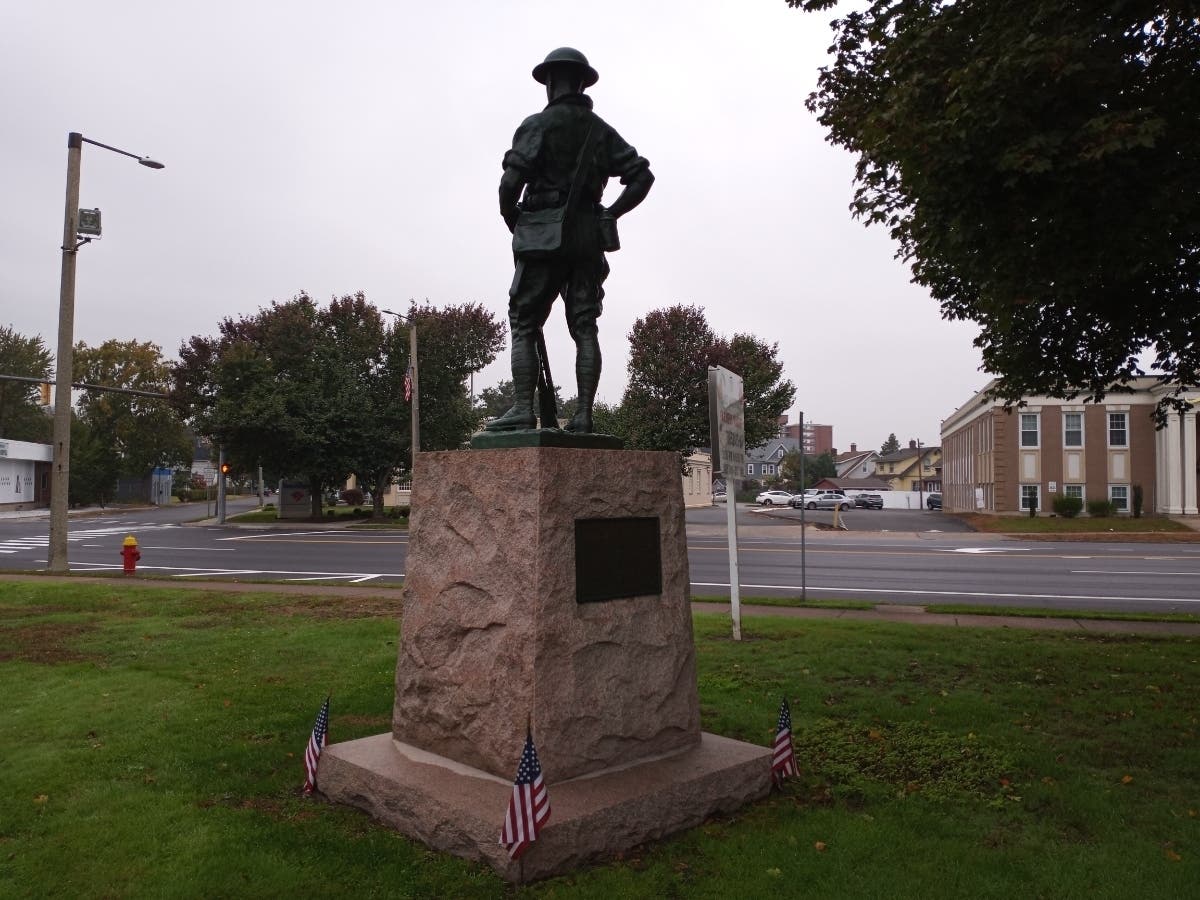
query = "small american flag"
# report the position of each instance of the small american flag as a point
(529, 806)
(316, 743)
(783, 763)
(408, 386)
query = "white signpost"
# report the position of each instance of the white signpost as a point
(727, 420)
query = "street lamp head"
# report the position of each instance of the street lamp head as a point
(150, 163)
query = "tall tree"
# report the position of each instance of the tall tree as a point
(138, 432)
(891, 445)
(815, 468)
(20, 417)
(768, 393)
(666, 399)
(318, 393)
(665, 406)
(453, 342)
(1036, 162)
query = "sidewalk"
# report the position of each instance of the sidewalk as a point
(892, 613)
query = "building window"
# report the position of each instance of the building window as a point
(1118, 429)
(1029, 496)
(1118, 495)
(1073, 490)
(749, 468)
(1072, 429)
(770, 467)
(1029, 430)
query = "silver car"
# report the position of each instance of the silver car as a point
(823, 500)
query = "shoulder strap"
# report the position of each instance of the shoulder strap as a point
(576, 178)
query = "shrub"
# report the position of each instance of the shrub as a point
(1098, 509)
(184, 494)
(352, 497)
(1138, 500)
(1068, 507)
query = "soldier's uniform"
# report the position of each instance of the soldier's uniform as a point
(544, 154)
(545, 150)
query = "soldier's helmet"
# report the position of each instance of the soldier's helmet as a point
(565, 56)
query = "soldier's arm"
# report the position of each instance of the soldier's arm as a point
(511, 183)
(635, 191)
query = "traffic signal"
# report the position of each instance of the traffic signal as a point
(224, 468)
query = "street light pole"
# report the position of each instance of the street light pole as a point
(416, 382)
(64, 360)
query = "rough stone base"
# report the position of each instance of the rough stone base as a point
(452, 807)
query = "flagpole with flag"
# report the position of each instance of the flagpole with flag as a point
(529, 805)
(783, 763)
(316, 743)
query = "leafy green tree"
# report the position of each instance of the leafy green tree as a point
(891, 445)
(665, 406)
(453, 342)
(1036, 162)
(495, 401)
(138, 432)
(266, 388)
(95, 468)
(608, 418)
(815, 468)
(20, 417)
(318, 393)
(768, 393)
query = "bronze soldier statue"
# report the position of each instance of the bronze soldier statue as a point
(562, 158)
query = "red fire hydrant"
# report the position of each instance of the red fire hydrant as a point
(130, 554)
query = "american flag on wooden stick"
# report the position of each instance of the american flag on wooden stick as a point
(316, 743)
(529, 806)
(783, 763)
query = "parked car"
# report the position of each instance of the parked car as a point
(822, 500)
(770, 498)
(868, 501)
(933, 501)
(719, 497)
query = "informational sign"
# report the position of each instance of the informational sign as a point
(727, 423)
(727, 429)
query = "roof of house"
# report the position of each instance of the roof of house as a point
(770, 450)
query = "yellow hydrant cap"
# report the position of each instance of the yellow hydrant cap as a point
(130, 541)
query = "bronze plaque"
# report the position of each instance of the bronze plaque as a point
(617, 558)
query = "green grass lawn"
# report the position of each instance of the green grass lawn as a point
(153, 741)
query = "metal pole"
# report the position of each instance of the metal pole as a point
(416, 391)
(735, 580)
(920, 476)
(221, 487)
(60, 479)
(803, 576)
(260, 488)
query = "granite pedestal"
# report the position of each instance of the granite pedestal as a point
(495, 636)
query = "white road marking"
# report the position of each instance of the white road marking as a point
(1012, 596)
(1111, 572)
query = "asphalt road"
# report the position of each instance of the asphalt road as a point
(896, 562)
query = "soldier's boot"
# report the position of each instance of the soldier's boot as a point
(587, 374)
(524, 371)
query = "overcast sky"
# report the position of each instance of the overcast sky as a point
(355, 146)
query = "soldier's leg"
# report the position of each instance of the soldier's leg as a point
(529, 300)
(584, 296)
